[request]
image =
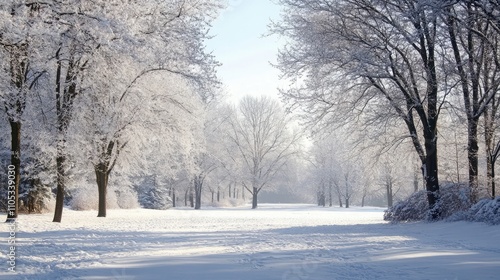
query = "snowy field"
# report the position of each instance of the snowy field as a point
(289, 242)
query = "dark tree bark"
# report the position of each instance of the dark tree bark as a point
(191, 198)
(198, 185)
(173, 197)
(330, 196)
(15, 160)
(388, 186)
(102, 185)
(66, 93)
(255, 192)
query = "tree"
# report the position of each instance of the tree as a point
(80, 32)
(96, 63)
(377, 58)
(474, 44)
(20, 71)
(261, 130)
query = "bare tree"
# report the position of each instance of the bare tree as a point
(474, 43)
(261, 130)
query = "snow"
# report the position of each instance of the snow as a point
(289, 242)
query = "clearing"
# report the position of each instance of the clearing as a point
(285, 242)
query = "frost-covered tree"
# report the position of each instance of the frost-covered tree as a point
(110, 49)
(21, 67)
(262, 133)
(375, 57)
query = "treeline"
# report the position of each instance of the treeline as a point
(400, 72)
(108, 87)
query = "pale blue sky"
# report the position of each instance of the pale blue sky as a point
(245, 53)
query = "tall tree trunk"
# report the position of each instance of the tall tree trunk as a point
(431, 177)
(330, 196)
(102, 187)
(61, 176)
(198, 184)
(415, 182)
(254, 198)
(493, 181)
(469, 70)
(191, 198)
(15, 160)
(347, 202)
(472, 155)
(173, 197)
(388, 187)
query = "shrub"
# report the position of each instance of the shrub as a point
(486, 210)
(454, 198)
(86, 198)
(155, 198)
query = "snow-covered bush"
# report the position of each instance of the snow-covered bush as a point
(155, 198)
(86, 198)
(127, 199)
(454, 198)
(414, 208)
(486, 210)
(82, 200)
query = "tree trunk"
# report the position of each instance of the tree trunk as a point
(60, 177)
(346, 202)
(173, 197)
(102, 186)
(191, 199)
(254, 198)
(472, 155)
(218, 194)
(493, 181)
(15, 160)
(488, 139)
(198, 184)
(415, 182)
(330, 197)
(186, 197)
(60, 157)
(431, 177)
(389, 194)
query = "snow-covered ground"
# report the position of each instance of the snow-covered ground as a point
(289, 242)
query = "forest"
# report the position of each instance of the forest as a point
(117, 105)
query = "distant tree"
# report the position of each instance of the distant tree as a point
(262, 133)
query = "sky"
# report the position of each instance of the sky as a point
(245, 53)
